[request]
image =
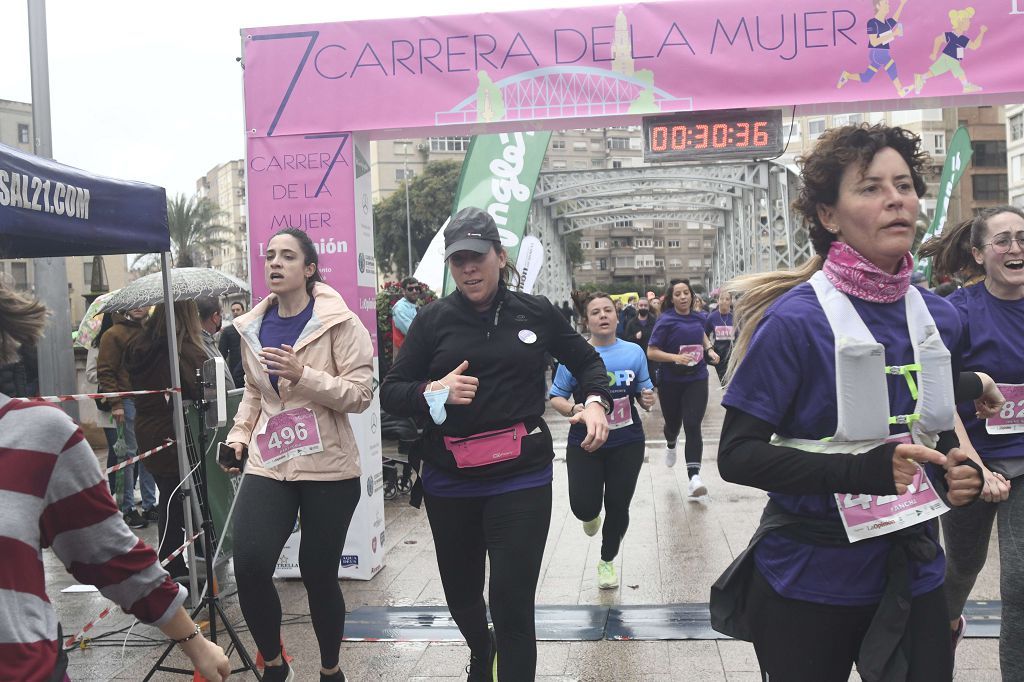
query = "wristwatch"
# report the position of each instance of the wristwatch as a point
(598, 399)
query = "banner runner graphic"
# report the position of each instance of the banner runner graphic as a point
(498, 175)
(958, 155)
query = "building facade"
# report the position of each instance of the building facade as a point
(1015, 154)
(224, 185)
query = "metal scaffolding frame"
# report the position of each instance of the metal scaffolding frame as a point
(747, 203)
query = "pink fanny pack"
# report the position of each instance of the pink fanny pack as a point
(487, 447)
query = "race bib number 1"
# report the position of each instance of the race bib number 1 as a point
(1011, 416)
(288, 435)
(868, 516)
(622, 414)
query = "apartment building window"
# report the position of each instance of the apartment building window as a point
(644, 262)
(693, 244)
(558, 165)
(643, 243)
(847, 119)
(673, 243)
(659, 243)
(602, 243)
(587, 265)
(708, 245)
(579, 146)
(791, 132)
(1016, 126)
(623, 261)
(616, 164)
(692, 226)
(402, 147)
(618, 143)
(87, 274)
(989, 153)
(623, 223)
(602, 263)
(659, 262)
(585, 244)
(558, 144)
(674, 262)
(938, 143)
(695, 262)
(989, 187)
(404, 173)
(19, 273)
(23, 137)
(449, 144)
(815, 127)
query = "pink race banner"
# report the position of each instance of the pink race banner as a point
(476, 73)
(309, 182)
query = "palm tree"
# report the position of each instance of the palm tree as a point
(196, 229)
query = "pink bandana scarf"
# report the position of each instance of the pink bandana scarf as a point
(855, 275)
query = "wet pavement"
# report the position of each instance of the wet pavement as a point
(673, 552)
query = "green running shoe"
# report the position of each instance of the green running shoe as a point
(606, 578)
(592, 526)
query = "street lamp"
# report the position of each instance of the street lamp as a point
(408, 220)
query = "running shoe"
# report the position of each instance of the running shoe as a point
(484, 669)
(135, 520)
(606, 578)
(670, 457)
(697, 487)
(278, 673)
(592, 526)
(958, 634)
(335, 677)
(151, 514)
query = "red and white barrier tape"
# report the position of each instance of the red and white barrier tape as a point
(92, 396)
(107, 611)
(136, 458)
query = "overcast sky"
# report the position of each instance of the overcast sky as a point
(147, 90)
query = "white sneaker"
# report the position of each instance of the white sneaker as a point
(606, 578)
(697, 487)
(592, 526)
(670, 457)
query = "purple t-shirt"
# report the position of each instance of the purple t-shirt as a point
(276, 331)
(955, 44)
(994, 344)
(788, 379)
(717, 319)
(877, 28)
(673, 330)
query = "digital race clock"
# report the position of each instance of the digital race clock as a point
(713, 135)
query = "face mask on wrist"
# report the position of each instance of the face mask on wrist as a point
(435, 401)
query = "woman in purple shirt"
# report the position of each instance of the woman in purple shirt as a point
(990, 245)
(838, 571)
(680, 344)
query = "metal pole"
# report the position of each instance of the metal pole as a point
(408, 220)
(56, 358)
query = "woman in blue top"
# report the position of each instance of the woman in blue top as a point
(611, 471)
(842, 569)
(680, 344)
(991, 245)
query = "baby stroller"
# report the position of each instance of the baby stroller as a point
(403, 430)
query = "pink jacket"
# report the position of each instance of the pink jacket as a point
(337, 379)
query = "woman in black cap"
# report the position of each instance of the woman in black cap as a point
(473, 369)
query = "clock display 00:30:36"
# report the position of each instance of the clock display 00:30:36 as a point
(740, 135)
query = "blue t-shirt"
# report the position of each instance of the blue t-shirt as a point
(626, 364)
(276, 331)
(672, 331)
(877, 28)
(994, 344)
(788, 379)
(717, 319)
(955, 45)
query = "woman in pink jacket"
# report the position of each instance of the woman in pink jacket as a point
(308, 363)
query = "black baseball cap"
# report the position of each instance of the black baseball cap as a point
(471, 229)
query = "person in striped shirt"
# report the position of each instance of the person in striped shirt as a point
(54, 495)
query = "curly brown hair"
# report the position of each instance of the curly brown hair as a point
(823, 168)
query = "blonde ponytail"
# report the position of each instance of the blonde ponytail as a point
(756, 293)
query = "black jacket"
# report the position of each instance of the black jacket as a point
(645, 328)
(511, 370)
(230, 347)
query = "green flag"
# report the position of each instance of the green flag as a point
(498, 175)
(958, 155)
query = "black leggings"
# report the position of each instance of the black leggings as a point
(609, 473)
(510, 529)
(801, 641)
(685, 404)
(723, 350)
(264, 518)
(171, 518)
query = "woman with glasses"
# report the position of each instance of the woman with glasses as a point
(990, 245)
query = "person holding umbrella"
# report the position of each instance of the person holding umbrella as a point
(308, 364)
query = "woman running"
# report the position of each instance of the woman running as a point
(990, 245)
(680, 344)
(308, 363)
(473, 369)
(610, 473)
(719, 328)
(844, 357)
(952, 57)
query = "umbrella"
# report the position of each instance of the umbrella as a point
(187, 284)
(90, 325)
